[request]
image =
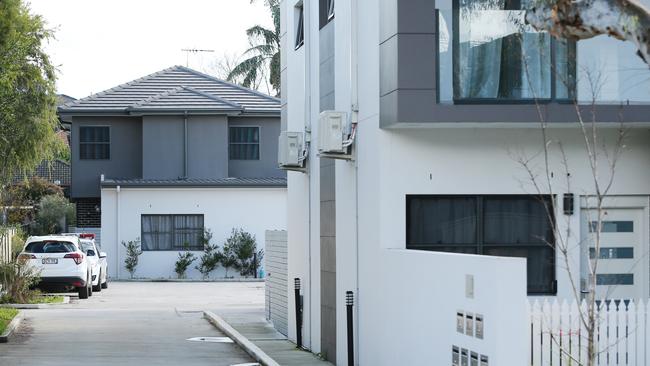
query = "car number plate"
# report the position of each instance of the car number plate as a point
(50, 261)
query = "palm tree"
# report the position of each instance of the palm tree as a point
(263, 56)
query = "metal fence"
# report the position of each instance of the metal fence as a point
(558, 335)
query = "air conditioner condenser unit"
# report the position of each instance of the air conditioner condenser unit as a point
(331, 132)
(290, 149)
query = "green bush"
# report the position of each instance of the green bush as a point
(52, 214)
(211, 257)
(18, 277)
(242, 250)
(133, 253)
(184, 262)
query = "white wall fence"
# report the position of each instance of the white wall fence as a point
(6, 236)
(558, 336)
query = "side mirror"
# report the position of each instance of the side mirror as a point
(90, 253)
(102, 255)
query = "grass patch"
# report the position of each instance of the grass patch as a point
(45, 299)
(6, 316)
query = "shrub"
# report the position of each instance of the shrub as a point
(18, 277)
(53, 211)
(228, 258)
(21, 197)
(243, 248)
(211, 257)
(133, 252)
(184, 261)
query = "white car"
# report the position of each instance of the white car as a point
(61, 262)
(98, 265)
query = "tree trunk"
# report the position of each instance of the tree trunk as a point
(626, 20)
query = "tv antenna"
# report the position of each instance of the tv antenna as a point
(192, 50)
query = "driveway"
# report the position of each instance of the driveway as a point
(133, 323)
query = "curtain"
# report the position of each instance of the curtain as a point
(499, 56)
(157, 232)
(187, 231)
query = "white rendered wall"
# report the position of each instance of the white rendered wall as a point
(252, 209)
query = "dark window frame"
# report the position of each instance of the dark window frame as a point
(173, 233)
(300, 26)
(479, 245)
(325, 12)
(93, 143)
(258, 143)
(571, 60)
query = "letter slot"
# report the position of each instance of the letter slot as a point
(479, 326)
(455, 356)
(474, 359)
(460, 322)
(464, 357)
(484, 360)
(469, 324)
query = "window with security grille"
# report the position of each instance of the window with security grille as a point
(172, 232)
(94, 143)
(244, 143)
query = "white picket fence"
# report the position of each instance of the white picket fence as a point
(6, 236)
(558, 336)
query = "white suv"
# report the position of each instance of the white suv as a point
(61, 262)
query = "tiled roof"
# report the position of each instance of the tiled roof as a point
(221, 182)
(56, 171)
(177, 88)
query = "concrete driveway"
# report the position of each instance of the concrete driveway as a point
(133, 323)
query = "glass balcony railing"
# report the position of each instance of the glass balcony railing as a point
(488, 54)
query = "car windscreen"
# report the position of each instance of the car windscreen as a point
(86, 246)
(50, 246)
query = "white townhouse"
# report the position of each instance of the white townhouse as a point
(407, 189)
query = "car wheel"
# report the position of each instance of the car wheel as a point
(83, 292)
(90, 285)
(98, 288)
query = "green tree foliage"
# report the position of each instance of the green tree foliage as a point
(27, 194)
(242, 247)
(27, 91)
(263, 56)
(133, 253)
(52, 213)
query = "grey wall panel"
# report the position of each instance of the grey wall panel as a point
(207, 147)
(275, 259)
(162, 146)
(267, 166)
(125, 155)
(328, 288)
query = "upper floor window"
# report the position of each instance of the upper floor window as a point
(511, 226)
(94, 143)
(300, 26)
(487, 53)
(326, 12)
(244, 143)
(172, 232)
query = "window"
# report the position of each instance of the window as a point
(172, 232)
(612, 226)
(94, 143)
(511, 226)
(244, 143)
(326, 12)
(493, 56)
(300, 26)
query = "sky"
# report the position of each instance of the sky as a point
(102, 44)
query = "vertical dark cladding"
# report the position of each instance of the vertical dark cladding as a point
(327, 199)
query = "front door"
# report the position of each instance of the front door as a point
(622, 260)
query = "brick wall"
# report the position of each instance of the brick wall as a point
(89, 212)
